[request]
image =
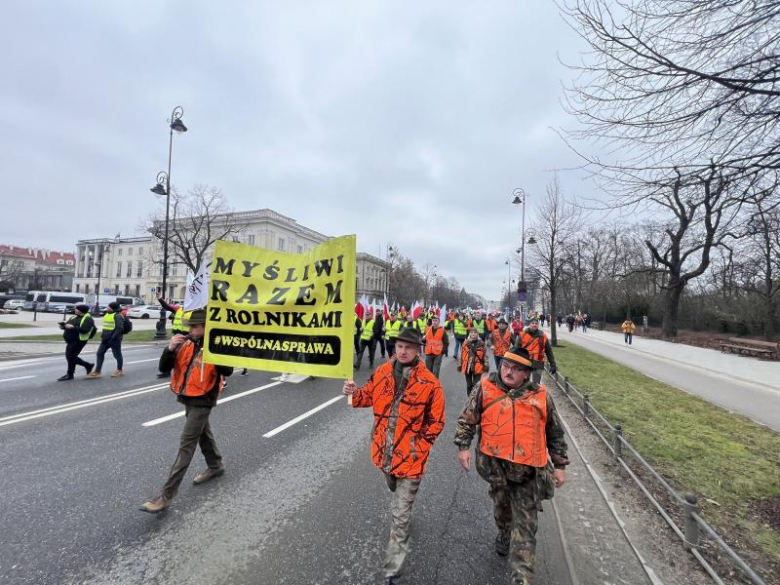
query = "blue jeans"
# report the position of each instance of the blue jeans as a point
(116, 350)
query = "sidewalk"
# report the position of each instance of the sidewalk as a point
(138, 325)
(749, 369)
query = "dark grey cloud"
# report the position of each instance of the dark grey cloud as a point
(402, 122)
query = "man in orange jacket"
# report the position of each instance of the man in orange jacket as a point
(436, 344)
(518, 426)
(197, 385)
(405, 396)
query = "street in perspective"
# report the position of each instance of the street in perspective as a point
(339, 293)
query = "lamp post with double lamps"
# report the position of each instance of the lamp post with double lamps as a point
(163, 187)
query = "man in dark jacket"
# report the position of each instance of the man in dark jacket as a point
(197, 386)
(379, 335)
(110, 337)
(76, 333)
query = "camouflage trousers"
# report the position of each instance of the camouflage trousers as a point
(515, 512)
(401, 512)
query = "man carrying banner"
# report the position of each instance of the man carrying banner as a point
(405, 396)
(197, 385)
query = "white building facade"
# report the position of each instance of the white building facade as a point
(133, 266)
(370, 277)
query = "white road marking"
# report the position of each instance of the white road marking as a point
(157, 359)
(175, 415)
(16, 418)
(304, 416)
(19, 378)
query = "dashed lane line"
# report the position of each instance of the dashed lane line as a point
(304, 416)
(52, 410)
(19, 378)
(176, 415)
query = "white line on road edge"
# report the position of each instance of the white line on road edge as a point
(157, 359)
(298, 419)
(163, 419)
(8, 420)
(19, 378)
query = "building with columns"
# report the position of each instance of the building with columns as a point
(133, 266)
(370, 277)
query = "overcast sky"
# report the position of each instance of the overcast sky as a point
(402, 122)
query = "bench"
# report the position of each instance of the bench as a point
(765, 349)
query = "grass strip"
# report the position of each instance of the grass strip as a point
(698, 447)
(12, 325)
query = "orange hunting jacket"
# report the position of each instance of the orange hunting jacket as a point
(420, 418)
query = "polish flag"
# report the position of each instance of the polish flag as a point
(416, 310)
(386, 310)
(361, 308)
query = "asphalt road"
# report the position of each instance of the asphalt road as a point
(303, 506)
(759, 402)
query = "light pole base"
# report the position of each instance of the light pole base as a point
(161, 334)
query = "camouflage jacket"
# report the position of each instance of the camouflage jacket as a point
(496, 470)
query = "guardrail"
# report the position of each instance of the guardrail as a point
(693, 525)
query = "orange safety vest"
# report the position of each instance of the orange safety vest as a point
(535, 345)
(501, 344)
(492, 324)
(433, 341)
(191, 377)
(465, 355)
(526, 416)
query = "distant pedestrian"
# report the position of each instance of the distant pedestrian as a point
(408, 405)
(197, 385)
(379, 336)
(628, 331)
(110, 338)
(518, 427)
(460, 330)
(77, 332)
(473, 359)
(367, 340)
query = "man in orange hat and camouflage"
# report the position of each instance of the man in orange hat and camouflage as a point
(519, 424)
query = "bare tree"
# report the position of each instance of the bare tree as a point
(198, 220)
(10, 270)
(674, 83)
(556, 223)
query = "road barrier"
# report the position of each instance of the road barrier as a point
(693, 525)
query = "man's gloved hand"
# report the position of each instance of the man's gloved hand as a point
(553, 370)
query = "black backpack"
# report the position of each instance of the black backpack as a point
(127, 326)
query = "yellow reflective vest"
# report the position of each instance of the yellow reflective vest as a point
(178, 319)
(368, 330)
(392, 329)
(108, 322)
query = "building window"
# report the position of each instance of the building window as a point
(235, 239)
(173, 270)
(129, 251)
(127, 290)
(129, 269)
(250, 239)
(119, 252)
(140, 269)
(300, 249)
(77, 288)
(140, 251)
(138, 290)
(280, 244)
(118, 270)
(116, 289)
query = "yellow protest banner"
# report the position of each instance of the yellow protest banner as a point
(281, 312)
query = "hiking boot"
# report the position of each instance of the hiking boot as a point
(502, 544)
(89, 368)
(392, 481)
(208, 474)
(156, 505)
(64, 378)
(93, 375)
(117, 374)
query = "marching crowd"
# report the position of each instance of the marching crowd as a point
(520, 447)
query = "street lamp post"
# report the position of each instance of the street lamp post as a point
(389, 268)
(163, 187)
(520, 197)
(99, 265)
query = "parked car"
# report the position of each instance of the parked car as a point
(13, 304)
(144, 312)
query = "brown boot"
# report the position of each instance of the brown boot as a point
(93, 375)
(117, 374)
(156, 505)
(208, 474)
